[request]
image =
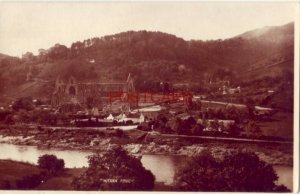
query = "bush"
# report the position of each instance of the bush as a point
(197, 129)
(9, 120)
(23, 103)
(129, 122)
(144, 127)
(3, 115)
(119, 132)
(51, 163)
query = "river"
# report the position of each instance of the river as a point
(162, 166)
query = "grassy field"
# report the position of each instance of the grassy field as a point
(11, 171)
(62, 181)
(281, 125)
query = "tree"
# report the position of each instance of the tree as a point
(252, 130)
(186, 126)
(58, 51)
(119, 133)
(27, 56)
(2, 83)
(90, 102)
(191, 121)
(250, 107)
(197, 129)
(199, 174)
(241, 171)
(9, 119)
(162, 117)
(194, 105)
(248, 173)
(24, 116)
(76, 48)
(215, 125)
(5, 62)
(23, 103)
(51, 163)
(114, 170)
(42, 54)
(176, 125)
(234, 130)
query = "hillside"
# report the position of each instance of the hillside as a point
(152, 56)
(275, 34)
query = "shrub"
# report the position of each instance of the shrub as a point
(23, 103)
(9, 120)
(129, 122)
(119, 132)
(51, 163)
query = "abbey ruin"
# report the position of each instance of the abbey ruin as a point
(70, 95)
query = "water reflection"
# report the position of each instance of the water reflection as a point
(31, 154)
(163, 167)
(285, 175)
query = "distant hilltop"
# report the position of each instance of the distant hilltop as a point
(151, 56)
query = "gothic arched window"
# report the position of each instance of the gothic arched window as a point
(72, 91)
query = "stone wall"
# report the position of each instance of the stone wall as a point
(87, 95)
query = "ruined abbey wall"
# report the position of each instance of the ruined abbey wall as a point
(87, 95)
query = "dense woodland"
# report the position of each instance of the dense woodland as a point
(153, 57)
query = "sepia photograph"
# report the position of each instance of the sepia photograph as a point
(149, 96)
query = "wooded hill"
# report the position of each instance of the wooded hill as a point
(152, 56)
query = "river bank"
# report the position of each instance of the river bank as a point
(137, 142)
(21, 161)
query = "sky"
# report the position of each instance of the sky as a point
(31, 26)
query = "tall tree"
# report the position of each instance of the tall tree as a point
(115, 170)
(242, 171)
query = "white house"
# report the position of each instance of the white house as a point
(110, 117)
